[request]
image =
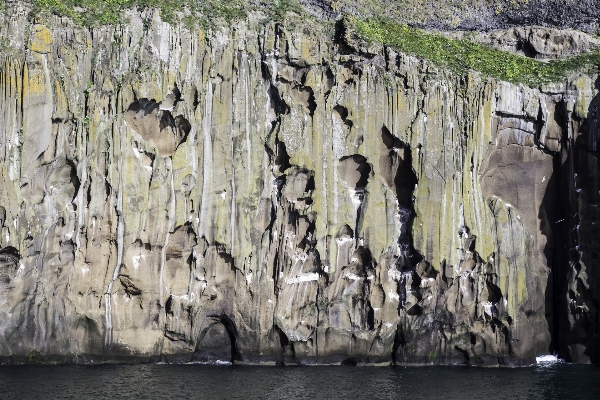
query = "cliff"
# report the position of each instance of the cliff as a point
(264, 193)
(472, 15)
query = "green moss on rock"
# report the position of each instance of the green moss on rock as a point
(462, 56)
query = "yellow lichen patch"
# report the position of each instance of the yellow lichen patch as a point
(154, 86)
(25, 79)
(61, 106)
(35, 83)
(521, 286)
(182, 160)
(108, 86)
(305, 50)
(487, 118)
(582, 104)
(182, 168)
(8, 80)
(503, 269)
(376, 210)
(41, 40)
(185, 59)
(168, 82)
(222, 218)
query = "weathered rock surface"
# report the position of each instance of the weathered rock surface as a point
(470, 15)
(538, 42)
(254, 195)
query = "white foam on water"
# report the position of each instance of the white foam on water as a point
(546, 359)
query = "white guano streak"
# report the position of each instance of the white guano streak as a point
(163, 254)
(81, 209)
(120, 237)
(247, 116)
(233, 216)
(312, 276)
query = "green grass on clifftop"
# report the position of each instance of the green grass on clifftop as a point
(92, 12)
(460, 56)
(203, 12)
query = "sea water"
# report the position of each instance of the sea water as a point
(544, 381)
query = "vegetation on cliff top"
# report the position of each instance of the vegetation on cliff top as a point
(442, 14)
(92, 12)
(204, 12)
(446, 12)
(460, 56)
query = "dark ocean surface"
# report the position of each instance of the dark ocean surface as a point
(556, 381)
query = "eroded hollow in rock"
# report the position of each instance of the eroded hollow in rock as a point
(395, 165)
(156, 125)
(299, 186)
(354, 171)
(9, 261)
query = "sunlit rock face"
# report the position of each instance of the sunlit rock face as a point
(253, 194)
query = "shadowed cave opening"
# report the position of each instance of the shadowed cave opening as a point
(218, 341)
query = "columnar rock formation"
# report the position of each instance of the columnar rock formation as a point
(263, 194)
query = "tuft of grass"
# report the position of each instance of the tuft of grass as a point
(279, 10)
(462, 56)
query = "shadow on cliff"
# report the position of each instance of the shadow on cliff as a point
(569, 214)
(397, 173)
(552, 216)
(395, 164)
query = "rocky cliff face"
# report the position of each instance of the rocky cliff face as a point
(262, 194)
(470, 15)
